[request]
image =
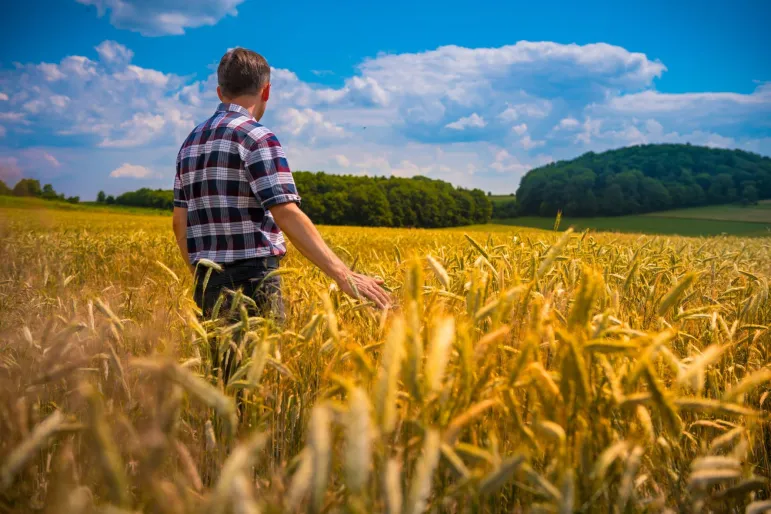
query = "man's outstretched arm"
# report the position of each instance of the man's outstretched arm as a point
(179, 222)
(306, 238)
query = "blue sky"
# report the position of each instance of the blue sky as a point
(98, 94)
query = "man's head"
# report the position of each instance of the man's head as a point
(243, 78)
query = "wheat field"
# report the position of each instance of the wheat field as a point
(519, 371)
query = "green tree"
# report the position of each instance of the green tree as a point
(110, 200)
(27, 187)
(101, 197)
(48, 193)
(5, 190)
(749, 194)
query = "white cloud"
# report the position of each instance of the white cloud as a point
(528, 143)
(3, 97)
(163, 17)
(446, 113)
(50, 71)
(127, 170)
(311, 124)
(342, 161)
(473, 121)
(520, 129)
(33, 106)
(568, 123)
(50, 159)
(60, 101)
(144, 75)
(139, 130)
(113, 52)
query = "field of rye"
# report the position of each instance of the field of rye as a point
(523, 371)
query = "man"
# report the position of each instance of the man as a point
(234, 198)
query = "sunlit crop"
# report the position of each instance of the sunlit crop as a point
(520, 371)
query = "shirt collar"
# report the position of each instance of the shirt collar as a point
(234, 108)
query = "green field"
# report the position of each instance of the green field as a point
(760, 213)
(648, 224)
(501, 198)
(714, 220)
(735, 220)
(16, 202)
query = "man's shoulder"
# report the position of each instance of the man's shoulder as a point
(254, 132)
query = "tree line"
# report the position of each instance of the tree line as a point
(31, 188)
(365, 201)
(644, 178)
(389, 202)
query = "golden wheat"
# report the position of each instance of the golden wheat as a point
(520, 371)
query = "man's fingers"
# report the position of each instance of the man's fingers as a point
(377, 295)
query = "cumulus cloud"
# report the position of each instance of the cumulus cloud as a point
(519, 129)
(310, 124)
(528, 143)
(163, 17)
(113, 52)
(568, 123)
(447, 113)
(342, 161)
(127, 170)
(473, 121)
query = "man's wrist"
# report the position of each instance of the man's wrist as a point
(340, 273)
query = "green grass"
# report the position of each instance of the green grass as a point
(16, 202)
(500, 198)
(760, 213)
(646, 224)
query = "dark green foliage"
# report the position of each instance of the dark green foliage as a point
(27, 187)
(365, 201)
(110, 200)
(506, 209)
(644, 178)
(5, 190)
(73, 199)
(146, 197)
(389, 202)
(101, 197)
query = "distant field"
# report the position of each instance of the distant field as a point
(501, 198)
(760, 213)
(645, 224)
(16, 202)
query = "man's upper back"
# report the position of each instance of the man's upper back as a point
(230, 171)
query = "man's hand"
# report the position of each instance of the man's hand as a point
(304, 236)
(358, 286)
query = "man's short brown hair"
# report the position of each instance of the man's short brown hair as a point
(242, 72)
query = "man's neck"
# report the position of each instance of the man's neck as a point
(249, 102)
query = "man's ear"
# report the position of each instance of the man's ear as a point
(266, 93)
(219, 94)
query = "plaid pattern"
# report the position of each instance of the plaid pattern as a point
(230, 171)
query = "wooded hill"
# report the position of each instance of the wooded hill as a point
(644, 178)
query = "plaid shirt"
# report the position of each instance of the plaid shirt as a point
(230, 171)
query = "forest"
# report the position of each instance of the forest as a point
(335, 200)
(389, 202)
(644, 178)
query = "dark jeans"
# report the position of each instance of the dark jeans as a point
(249, 277)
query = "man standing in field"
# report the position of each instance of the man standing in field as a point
(235, 198)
